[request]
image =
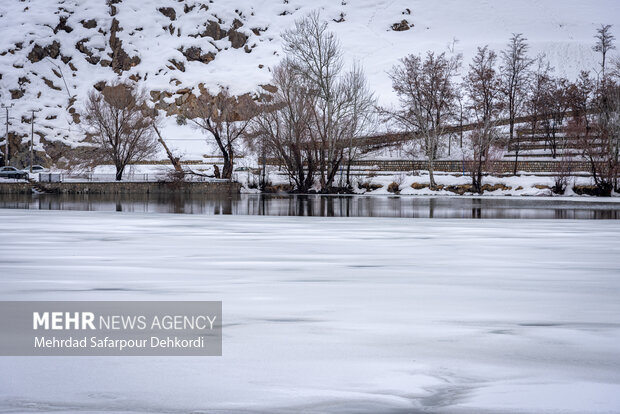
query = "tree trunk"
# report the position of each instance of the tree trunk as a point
(432, 183)
(301, 180)
(476, 174)
(332, 175)
(227, 169)
(309, 181)
(516, 161)
(349, 173)
(176, 163)
(119, 172)
(479, 179)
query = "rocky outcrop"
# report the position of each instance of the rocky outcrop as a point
(121, 61)
(214, 31)
(169, 12)
(99, 85)
(269, 88)
(62, 25)
(401, 26)
(89, 24)
(178, 65)
(237, 39)
(16, 93)
(90, 56)
(50, 84)
(236, 24)
(39, 53)
(113, 9)
(195, 54)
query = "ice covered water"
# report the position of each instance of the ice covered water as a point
(330, 314)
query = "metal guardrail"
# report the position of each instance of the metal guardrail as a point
(102, 178)
(50, 177)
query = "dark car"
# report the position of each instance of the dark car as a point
(12, 172)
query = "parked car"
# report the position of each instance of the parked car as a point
(12, 172)
(37, 169)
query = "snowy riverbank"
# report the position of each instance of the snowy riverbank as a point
(330, 314)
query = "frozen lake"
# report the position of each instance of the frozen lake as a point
(330, 315)
(501, 207)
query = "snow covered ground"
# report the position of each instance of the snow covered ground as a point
(372, 181)
(376, 182)
(561, 29)
(330, 315)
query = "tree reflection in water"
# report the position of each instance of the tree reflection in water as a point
(323, 206)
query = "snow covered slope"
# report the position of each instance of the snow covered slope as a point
(52, 52)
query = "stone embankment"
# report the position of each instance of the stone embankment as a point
(210, 187)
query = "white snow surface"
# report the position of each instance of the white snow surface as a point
(562, 29)
(330, 315)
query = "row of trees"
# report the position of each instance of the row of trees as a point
(311, 122)
(509, 89)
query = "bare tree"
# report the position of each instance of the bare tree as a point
(282, 127)
(604, 43)
(361, 118)
(427, 95)
(579, 95)
(483, 90)
(562, 174)
(558, 103)
(608, 125)
(225, 118)
(461, 114)
(121, 126)
(539, 88)
(514, 75)
(600, 147)
(615, 69)
(339, 97)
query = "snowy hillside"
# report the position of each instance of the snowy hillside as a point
(53, 52)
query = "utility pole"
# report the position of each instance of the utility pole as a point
(262, 186)
(32, 140)
(6, 151)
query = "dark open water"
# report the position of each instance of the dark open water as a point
(324, 206)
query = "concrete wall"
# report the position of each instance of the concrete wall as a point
(15, 188)
(220, 187)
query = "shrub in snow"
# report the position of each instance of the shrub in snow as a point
(394, 188)
(369, 186)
